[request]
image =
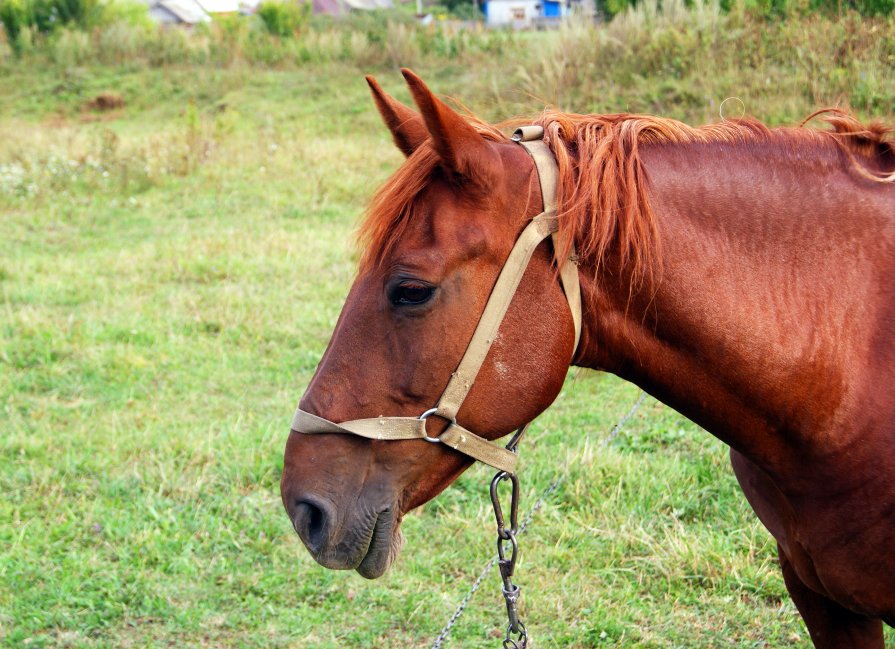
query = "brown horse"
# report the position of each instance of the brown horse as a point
(744, 276)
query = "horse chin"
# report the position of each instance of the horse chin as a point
(385, 544)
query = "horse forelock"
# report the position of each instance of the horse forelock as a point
(603, 201)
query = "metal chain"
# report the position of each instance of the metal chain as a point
(446, 631)
(624, 420)
(509, 643)
(507, 553)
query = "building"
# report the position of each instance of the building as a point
(190, 12)
(524, 14)
(177, 12)
(340, 7)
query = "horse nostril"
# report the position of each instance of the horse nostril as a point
(310, 523)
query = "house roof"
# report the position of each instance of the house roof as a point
(369, 4)
(338, 7)
(190, 11)
(186, 11)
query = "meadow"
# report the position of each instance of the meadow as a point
(172, 262)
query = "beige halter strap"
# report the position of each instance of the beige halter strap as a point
(456, 436)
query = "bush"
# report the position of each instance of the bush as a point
(48, 15)
(129, 12)
(45, 17)
(122, 41)
(772, 9)
(284, 19)
(70, 47)
(14, 16)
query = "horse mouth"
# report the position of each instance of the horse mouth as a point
(385, 542)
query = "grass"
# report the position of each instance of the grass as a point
(159, 326)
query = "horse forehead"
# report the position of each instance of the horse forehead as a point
(447, 218)
(470, 220)
(453, 207)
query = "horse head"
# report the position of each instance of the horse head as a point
(438, 234)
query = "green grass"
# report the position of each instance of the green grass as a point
(157, 330)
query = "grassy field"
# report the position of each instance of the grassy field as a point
(170, 272)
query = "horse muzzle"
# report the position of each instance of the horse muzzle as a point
(361, 536)
(367, 544)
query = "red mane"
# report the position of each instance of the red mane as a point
(603, 193)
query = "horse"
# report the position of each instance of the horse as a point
(740, 274)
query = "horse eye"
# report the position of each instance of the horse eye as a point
(411, 294)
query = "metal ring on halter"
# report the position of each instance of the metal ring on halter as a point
(425, 416)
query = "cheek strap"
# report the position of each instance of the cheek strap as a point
(456, 436)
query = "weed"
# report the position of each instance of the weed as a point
(284, 18)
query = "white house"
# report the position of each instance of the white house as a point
(522, 14)
(220, 6)
(189, 12)
(339, 7)
(177, 12)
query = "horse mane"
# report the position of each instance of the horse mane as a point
(603, 198)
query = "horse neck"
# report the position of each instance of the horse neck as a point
(750, 329)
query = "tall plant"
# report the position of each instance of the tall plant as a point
(14, 17)
(284, 18)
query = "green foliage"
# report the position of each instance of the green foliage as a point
(14, 16)
(875, 7)
(46, 17)
(69, 46)
(129, 12)
(831, 7)
(773, 9)
(469, 12)
(284, 18)
(463, 9)
(610, 8)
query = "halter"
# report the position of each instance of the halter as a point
(456, 436)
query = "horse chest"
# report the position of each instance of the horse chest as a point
(838, 546)
(842, 550)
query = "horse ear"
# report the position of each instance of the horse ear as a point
(461, 148)
(407, 127)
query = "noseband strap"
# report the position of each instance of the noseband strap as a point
(397, 428)
(456, 436)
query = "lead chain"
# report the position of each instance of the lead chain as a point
(507, 553)
(520, 642)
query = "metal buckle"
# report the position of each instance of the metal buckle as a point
(425, 416)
